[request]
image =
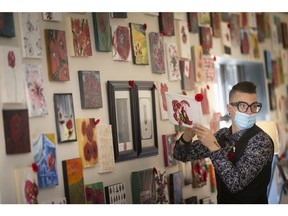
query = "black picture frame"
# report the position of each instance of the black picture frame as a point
(120, 100)
(146, 118)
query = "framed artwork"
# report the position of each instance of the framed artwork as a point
(244, 41)
(187, 75)
(226, 38)
(143, 187)
(95, 193)
(145, 98)
(157, 56)
(268, 64)
(166, 23)
(162, 87)
(90, 89)
(182, 37)
(16, 131)
(204, 19)
(235, 30)
(102, 31)
(35, 95)
(115, 194)
(87, 145)
(122, 116)
(44, 151)
(186, 169)
(119, 15)
(197, 59)
(52, 16)
(78, 35)
(73, 181)
(30, 35)
(64, 117)
(7, 25)
(139, 44)
(121, 44)
(168, 141)
(206, 39)
(13, 80)
(215, 24)
(260, 27)
(172, 60)
(192, 18)
(176, 192)
(56, 52)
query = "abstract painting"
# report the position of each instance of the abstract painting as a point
(166, 23)
(139, 44)
(168, 141)
(78, 35)
(73, 181)
(187, 75)
(44, 151)
(7, 25)
(121, 45)
(64, 117)
(172, 61)
(182, 37)
(30, 35)
(12, 75)
(56, 52)
(95, 193)
(157, 57)
(192, 18)
(115, 194)
(102, 32)
(199, 173)
(16, 130)
(36, 100)
(90, 89)
(87, 145)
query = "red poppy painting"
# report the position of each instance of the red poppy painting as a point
(95, 193)
(166, 23)
(121, 45)
(16, 129)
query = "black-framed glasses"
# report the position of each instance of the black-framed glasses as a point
(243, 106)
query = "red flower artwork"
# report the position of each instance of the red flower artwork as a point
(31, 192)
(180, 112)
(121, 42)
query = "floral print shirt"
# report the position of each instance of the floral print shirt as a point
(258, 153)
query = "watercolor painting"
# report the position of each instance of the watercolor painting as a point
(162, 87)
(95, 193)
(157, 56)
(121, 45)
(182, 38)
(172, 62)
(166, 23)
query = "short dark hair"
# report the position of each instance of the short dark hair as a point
(244, 86)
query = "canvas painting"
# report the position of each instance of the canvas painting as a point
(267, 25)
(95, 193)
(215, 24)
(204, 19)
(172, 60)
(260, 27)
(7, 25)
(226, 38)
(64, 117)
(73, 181)
(187, 75)
(162, 87)
(13, 80)
(252, 20)
(36, 99)
(176, 188)
(205, 38)
(244, 20)
(186, 169)
(268, 64)
(115, 194)
(90, 89)
(254, 45)
(183, 110)
(121, 45)
(166, 23)
(183, 41)
(102, 32)
(199, 173)
(16, 131)
(244, 40)
(27, 190)
(160, 179)
(87, 145)
(168, 141)
(192, 18)
(209, 70)
(30, 35)
(197, 59)
(157, 57)
(104, 139)
(235, 30)
(56, 53)
(44, 151)
(57, 200)
(143, 187)
(139, 44)
(52, 16)
(78, 34)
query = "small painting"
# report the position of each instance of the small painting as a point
(162, 87)
(260, 27)
(245, 44)
(121, 45)
(95, 193)
(187, 75)
(186, 169)
(215, 24)
(235, 30)
(268, 64)
(166, 23)
(199, 173)
(176, 191)
(254, 45)
(206, 39)
(197, 59)
(182, 37)
(119, 15)
(115, 194)
(244, 20)
(16, 130)
(226, 38)
(204, 19)
(157, 52)
(52, 16)
(192, 18)
(168, 141)
(284, 34)
(172, 61)
(7, 25)
(209, 69)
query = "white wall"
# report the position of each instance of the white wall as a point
(109, 70)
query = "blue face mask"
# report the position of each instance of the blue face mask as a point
(244, 121)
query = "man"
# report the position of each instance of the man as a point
(241, 154)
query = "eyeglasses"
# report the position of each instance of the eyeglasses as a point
(243, 106)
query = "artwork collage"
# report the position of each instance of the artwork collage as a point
(102, 146)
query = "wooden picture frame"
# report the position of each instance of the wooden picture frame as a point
(122, 115)
(145, 105)
(64, 117)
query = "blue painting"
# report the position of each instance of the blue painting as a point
(45, 157)
(7, 25)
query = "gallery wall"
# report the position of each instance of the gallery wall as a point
(111, 70)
